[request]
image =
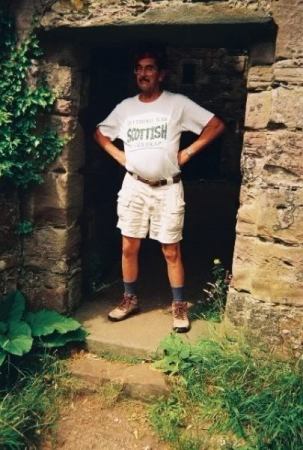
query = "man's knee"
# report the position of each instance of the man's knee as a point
(171, 252)
(130, 246)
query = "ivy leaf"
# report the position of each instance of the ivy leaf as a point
(2, 356)
(45, 322)
(3, 339)
(59, 340)
(18, 340)
(17, 307)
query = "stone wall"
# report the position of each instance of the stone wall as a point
(10, 243)
(266, 295)
(51, 266)
(84, 13)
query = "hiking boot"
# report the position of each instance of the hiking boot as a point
(128, 306)
(180, 318)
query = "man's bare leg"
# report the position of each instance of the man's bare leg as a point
(130, 252)
(175, 270)
(129, 304)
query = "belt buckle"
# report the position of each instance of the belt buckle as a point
(169, 181)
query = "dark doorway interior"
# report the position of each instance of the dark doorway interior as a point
(215, 78)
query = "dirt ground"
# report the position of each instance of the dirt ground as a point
(103, 420)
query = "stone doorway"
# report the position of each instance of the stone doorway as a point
(208, 66)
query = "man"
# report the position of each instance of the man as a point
(151, 198)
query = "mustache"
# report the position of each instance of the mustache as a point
(143, 79)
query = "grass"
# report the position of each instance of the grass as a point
(116, 357)
(28, 401)
(229, 398)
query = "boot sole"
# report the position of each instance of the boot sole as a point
(132, 313)
(181, 329)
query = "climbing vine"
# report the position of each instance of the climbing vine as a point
(27, 144)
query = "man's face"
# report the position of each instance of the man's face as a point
(148, 75)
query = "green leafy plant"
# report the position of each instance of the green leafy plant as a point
(27, 145)
(212, 305)
(20, 329)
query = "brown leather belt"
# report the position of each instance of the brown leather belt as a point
(172, 180)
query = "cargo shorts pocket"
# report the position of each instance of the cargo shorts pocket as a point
(123, 203)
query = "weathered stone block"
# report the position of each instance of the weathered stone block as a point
(45, 288)
(288, 16)
(272, 158)
(58, 201)
(65, 125)
(273, 212)
(52, 248)
(36, 278)
(63, 80)
(268, 271)
(259, 77)
(258, 109)
(65, 107)
(59, 191)
(10, 260)
(279, 326)
(289, 72)
(287, 107)
(8, 279)
(72, 157)
(9, 241)
(252, 158)
(48, 298)
(283, 162)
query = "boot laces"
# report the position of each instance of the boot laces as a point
(180, 310)
(127, 301)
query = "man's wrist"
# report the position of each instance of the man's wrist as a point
(189, 152)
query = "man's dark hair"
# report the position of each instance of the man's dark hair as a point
(150, 51)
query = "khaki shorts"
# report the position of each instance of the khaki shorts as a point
(157, 210)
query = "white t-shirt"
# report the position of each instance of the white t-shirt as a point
(151, 131)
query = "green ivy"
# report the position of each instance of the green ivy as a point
(27, 145)
(25, 227)
(20, 329)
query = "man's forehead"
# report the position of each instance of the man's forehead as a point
(147, 61)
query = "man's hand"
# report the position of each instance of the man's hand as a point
(213, 129)
(110, 148)
(183, 157)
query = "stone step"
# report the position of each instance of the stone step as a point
(139, 335)
(140, 381)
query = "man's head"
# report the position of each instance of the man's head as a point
(149, 70)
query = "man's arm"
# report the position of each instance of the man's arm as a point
(105, 143)
(213, 129)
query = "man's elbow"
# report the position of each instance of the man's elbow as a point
(219, 125)
(97, 135)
